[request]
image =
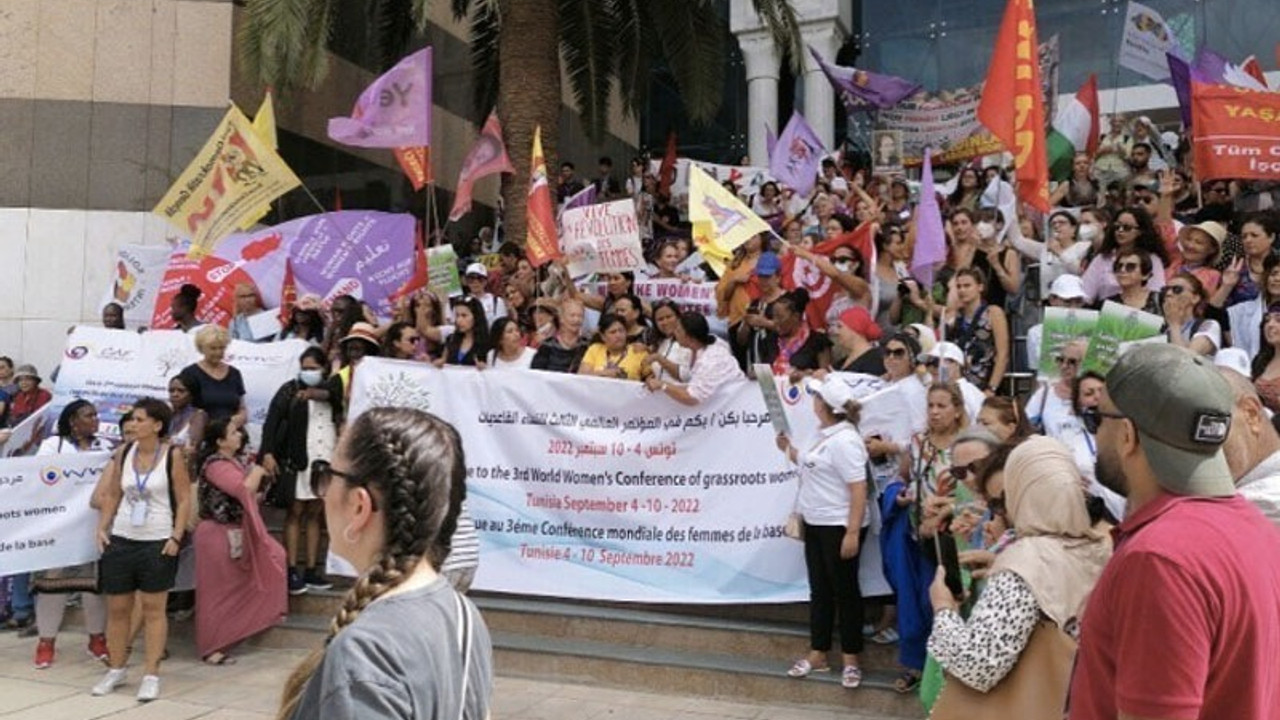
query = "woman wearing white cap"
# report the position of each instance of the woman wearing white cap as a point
(1067, 291)
(833, 503)
(476, 282)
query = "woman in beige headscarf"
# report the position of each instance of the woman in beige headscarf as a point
(1036, 586)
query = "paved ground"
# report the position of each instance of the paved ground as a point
(250, 689)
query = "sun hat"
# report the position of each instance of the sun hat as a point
(947, 351)
(1068, 287)
(26, 371)
(362, 331)
(477, 269)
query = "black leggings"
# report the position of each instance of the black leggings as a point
(833, 585)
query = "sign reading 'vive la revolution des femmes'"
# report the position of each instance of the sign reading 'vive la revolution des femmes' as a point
(597, 489)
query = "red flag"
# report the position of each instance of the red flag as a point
(1012, 105)
(288, 294)
(1254, 69)
(419, 278)
(667, 170)
(797, 272)
(416, 164)
(487, 156)
(1232, 133)
(541, 245)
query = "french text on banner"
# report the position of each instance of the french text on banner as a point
(45, 518)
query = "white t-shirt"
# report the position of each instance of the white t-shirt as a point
(57, 445)
(520, 363)
(1053, 413)
(1209, 330)
(154, 487)
(837, 459)
(678, 354)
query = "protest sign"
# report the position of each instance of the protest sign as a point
(1062, 326)
(113, 368)
(597, 489)
(45, 519)
(135, 284)
(772, 398)
(1235, 132)
(26, 436)
(602, 238)
(442, 270)
(1117, 324)
(1146, 40)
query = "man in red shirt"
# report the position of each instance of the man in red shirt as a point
(1185, 620)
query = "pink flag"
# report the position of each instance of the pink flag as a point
(395, 111)
(931, 240)
(486, 157)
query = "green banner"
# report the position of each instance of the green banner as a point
(1062, 326)
(1118, 327)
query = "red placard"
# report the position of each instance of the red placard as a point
(1236, 132)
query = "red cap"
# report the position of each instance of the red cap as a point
(859, 320)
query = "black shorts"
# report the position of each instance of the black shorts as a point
(136, 565)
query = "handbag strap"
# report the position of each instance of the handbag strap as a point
(464, 646)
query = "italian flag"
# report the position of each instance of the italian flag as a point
(1075, 129)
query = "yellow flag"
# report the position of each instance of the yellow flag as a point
(732, 223)
(264, 124)
(233, 176)
(715, 256)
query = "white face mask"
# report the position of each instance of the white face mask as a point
(310, 378)
(986, 230)
(1088, 233)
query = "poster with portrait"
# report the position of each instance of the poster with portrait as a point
(886, 152)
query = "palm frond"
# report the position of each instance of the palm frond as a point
(283, 42)
(484, 58)
(780, 17)
(392, 25)
(587, 45)
(692, 37)
(635, 40)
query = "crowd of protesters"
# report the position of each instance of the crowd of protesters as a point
(1129, 484)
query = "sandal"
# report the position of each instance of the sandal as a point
(887, 636)
(219, 658)
(907, 682)
(851, 678)
(803, 668)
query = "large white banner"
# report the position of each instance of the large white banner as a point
(602, 238)
(113, 368)
(45, 519)
(590, 488)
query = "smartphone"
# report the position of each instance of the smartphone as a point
(944, 544)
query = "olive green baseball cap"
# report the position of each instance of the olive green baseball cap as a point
(1182, 408)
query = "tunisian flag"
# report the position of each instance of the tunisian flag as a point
(798, 272)
(541, 245)
(1012, 106)
(487, 156)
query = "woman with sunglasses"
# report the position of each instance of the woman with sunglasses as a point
(1049, 408)
(1242, 278)
(1133, 229)
(1086, 396)
(404, 644)
(240, 568)
(1133, 271)
(1037, 584)
(1183, 301)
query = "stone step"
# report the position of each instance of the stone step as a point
(720, 675)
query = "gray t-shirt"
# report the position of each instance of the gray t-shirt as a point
(401, 659)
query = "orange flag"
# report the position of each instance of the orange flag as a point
(1012, 106)
(541, 245)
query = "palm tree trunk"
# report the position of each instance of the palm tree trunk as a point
(529, 96)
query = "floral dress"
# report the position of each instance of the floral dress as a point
(976, 338)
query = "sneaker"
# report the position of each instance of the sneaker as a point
(19, 623)
(109, 682)
(297, 585)
(851, 678)
(316, 580)
(98, 647)
(149, 688)
(44, 653)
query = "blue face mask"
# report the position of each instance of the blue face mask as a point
(310, 378)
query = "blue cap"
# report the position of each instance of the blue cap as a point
(768, 263)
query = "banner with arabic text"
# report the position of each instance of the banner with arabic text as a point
(45, 519)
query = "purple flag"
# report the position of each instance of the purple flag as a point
(931, 240)
(368, 255)
(582, 198)
(394, 111)
(1180, 76)
(770, 141)
(796, 156)
(860, 90)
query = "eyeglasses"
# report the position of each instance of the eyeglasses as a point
(1126, 267)
(931, 362)
(1092, 418)
(1069, 361)
(322, 474)
(961, 472)
(895, 352)
(1125, 227)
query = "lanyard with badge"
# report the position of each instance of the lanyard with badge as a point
(139, 494)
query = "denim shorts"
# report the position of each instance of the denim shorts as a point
(136, 565)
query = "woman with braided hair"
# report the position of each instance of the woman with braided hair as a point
(392, 496)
